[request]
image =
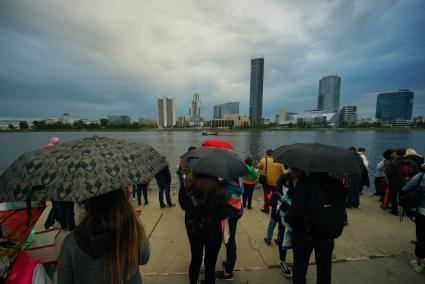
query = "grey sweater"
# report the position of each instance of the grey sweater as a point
(76, 266)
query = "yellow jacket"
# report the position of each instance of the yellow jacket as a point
(274, 170)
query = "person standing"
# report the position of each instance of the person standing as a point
(142, 188)
(233, 191)
(271, 171)
(249, 183)
(163, 179)
(398, 172)
(380, 180)
(203, 200)
(353, 193)
(364, 180)
(418, 180)
(315, 224)
(107, 246)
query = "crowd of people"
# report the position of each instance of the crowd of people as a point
(309, 209)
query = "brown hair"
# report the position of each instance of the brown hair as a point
(125, 233)
(205, 187)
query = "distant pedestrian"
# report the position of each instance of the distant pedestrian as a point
(163, 179)
(63, 212)
(353, 194)
(271, 171)
(140, 188)
(398, 172)
(364, 179)
(380, 180)
(249, 182)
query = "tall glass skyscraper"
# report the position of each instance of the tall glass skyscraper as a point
(329, 90)
(226, 108)
(394, 106)
(256, 91)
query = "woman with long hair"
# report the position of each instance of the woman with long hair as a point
(107, 246)
(203, 200)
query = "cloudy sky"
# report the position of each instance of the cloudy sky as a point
(94, 58)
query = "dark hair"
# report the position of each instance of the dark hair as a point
(269, 152)
(352, 148)
(361, 149)
(191, 148)
(205, 187)
(387, 154)
(248, 161)
(401, 152)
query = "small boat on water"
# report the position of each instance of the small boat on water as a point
(207, 133)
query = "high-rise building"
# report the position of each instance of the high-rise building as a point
(256, 91)
(329, 91)
(347, 114)
(65, 118)
(394, 107)
(119, 119)
(226, 108)
(280, 115)
(196, 106)
(166, 112)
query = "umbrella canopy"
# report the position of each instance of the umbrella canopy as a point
(79, 169)
(215, 162)
(216, 143)
(318, 158)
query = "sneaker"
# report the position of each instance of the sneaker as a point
(276, 241)
(162, 206)
(416, 267)
(219, 275)
(285, 269)
(171, 205)
(268, 242)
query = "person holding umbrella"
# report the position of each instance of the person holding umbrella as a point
(317, 212)
(110, 243)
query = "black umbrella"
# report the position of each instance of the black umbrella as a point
(79, 169)
(215, 162)
(318, 158)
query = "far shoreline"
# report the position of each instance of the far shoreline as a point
(214, 130)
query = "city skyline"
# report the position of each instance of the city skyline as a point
(93, 61)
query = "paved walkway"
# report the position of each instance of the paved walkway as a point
(374, 248)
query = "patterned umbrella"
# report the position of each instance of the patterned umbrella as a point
(79, 169)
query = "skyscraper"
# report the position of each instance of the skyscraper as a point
(226, 108)
(394, 106)
(196, 105)
(256, 91)
(347, 114)
(166, 112)
(329, 91)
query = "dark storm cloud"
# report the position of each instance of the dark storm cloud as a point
(116, 57)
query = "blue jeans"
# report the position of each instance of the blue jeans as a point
(165, 188)
(270, 229)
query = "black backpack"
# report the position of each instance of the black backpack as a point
(198, 219)
(409, 200)
(325, 213)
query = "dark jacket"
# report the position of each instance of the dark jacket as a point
(399, 171)
(300, 196)
(163, 177)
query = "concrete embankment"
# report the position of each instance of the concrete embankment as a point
(374, 248)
